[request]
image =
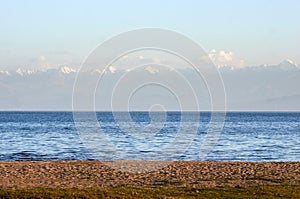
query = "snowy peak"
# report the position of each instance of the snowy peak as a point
(4, 72)
(288, 61)
(26, 72)
(287, 64)
(23, 72)
(67, 70)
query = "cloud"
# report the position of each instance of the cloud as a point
(42, 58)
(112, 69)
(225, 58)
(125, 57)
(52, 60)
(152, 70)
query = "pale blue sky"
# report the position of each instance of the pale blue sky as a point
(258, 31)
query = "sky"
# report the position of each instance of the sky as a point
(255, 45)
(252, 32)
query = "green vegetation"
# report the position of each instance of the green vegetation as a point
(275, 180)
(278, 191)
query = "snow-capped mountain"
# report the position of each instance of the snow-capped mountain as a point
(265, 87)
(67, 70)
(23, 72)
(4, 72)
(287, 65)
(64, 69)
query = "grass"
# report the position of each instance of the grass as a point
(278, 191)
(275, 180)
(166, 182)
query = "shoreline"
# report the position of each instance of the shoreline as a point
(98, 174)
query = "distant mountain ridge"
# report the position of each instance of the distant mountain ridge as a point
(64, 69)
(265, 87)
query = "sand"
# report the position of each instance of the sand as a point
(83, 174)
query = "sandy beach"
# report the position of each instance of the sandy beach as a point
(196, 174)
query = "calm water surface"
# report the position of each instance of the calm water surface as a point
(246, 136)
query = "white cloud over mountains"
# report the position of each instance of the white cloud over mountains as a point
(112, 69)
(225, 58)
(272, 87)
(152, 69)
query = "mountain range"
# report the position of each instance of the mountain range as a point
(261, 88)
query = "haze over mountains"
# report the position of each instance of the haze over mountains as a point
(264, 88)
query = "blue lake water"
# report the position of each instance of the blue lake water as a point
(246, 136)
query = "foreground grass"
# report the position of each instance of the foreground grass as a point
(132, 192)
